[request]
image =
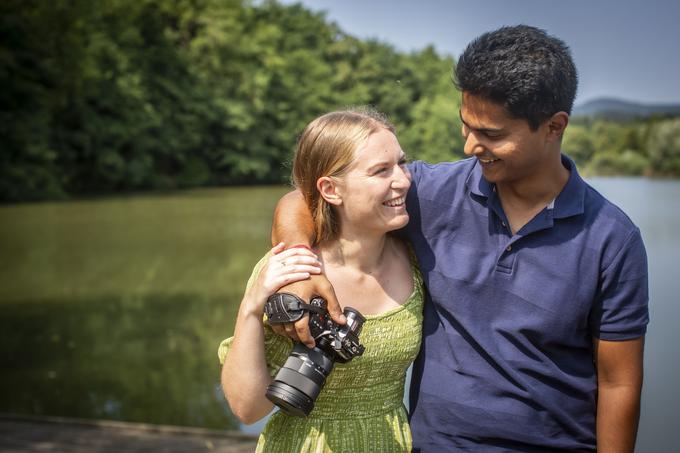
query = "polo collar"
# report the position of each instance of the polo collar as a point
(569, 202)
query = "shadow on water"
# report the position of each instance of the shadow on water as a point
(146, 359)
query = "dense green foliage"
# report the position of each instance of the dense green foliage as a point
(649, 147)
(142, 94)
(111, 95)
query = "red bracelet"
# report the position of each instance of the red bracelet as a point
(301, 246)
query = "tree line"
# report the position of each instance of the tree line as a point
(114, 95)
(631, 147)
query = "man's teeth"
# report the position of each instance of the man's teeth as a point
(487, 161)
(395, 202)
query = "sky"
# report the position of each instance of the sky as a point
(624, 49)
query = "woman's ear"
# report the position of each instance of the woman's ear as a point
(329, 190)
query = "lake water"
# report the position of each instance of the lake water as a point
(114, 308)
(655, 207)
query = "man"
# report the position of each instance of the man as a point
(533, 334)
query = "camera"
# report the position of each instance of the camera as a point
(299, 381)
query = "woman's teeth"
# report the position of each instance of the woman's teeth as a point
(395, 202)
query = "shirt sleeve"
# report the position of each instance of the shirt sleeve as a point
(621, 310)
(277, 348)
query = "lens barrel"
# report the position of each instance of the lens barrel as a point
(299, 381)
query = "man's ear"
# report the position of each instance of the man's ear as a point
(329, 190)
(557, 125)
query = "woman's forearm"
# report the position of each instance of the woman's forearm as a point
(245, 376)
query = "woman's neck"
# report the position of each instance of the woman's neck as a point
(363, 253)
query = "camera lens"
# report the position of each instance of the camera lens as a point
(354, 320)
(299, 381)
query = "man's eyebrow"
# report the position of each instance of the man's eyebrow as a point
(481, 129)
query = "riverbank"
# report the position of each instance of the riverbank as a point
(20, 433)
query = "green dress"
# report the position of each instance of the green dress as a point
(360, 408)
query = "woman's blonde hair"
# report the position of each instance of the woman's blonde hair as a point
(327, 148)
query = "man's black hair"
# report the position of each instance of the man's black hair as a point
(522, 68)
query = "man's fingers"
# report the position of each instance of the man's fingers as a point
(290, 331)
(303, 333)
(333, 306)
(278, 329)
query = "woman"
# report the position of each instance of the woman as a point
(350, 168)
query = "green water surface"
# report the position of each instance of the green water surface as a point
(114, 308)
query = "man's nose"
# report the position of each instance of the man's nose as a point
(472, 146)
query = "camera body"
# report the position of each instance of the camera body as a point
(299, 381)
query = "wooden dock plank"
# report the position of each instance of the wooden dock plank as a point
(56, 434)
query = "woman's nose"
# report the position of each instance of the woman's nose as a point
(402, 177)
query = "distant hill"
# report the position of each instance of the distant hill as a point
(619, 109)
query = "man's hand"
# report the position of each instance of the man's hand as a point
(316, 285)
(293, 224)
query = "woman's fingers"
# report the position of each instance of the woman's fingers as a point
(290, 278)
(300, 260)
(294, 268)
(278, 248)
(297, 251)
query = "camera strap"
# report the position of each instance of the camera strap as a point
(282, 308)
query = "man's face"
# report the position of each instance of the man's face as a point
(506, 148)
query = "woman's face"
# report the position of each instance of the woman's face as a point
(373, 191)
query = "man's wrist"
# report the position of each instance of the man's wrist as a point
(301, 246)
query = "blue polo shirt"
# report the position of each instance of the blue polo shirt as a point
(506, 362)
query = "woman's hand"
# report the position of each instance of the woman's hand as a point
(282, 268)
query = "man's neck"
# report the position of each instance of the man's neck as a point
(524, 198)
(535, 190)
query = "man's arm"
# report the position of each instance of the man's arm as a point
(293, 224)
(619, 385)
